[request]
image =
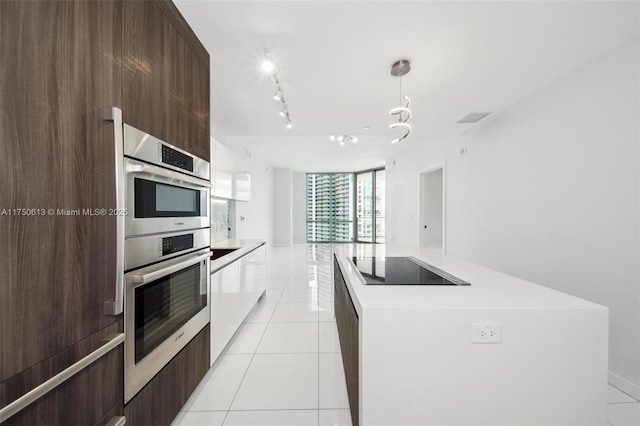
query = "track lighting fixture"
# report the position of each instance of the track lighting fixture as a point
(343, 139)
(270, 67)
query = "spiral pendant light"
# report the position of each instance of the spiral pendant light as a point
(403, 113)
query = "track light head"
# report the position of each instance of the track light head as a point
(268, 66)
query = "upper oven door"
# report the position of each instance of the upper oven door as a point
(161, 200)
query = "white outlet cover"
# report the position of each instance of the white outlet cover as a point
(486, 332)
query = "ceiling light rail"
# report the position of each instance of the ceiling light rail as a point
(269, 67)
(343, 139)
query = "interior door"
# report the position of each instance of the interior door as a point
(432, 209)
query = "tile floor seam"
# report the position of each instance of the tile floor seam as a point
(246, 370)
(281, 293)
(204, 411)
(277, 409)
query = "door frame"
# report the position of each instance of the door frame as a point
(422, 200)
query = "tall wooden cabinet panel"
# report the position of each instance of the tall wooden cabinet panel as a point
(60, 63)
(166, 76)
(348, 333)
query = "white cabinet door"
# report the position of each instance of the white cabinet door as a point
(226, 302)
(235, 289)
(253, 274)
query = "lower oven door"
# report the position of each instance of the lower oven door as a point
(166, 305)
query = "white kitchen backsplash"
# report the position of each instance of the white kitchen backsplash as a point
(219, 220)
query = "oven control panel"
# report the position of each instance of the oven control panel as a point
(176, 158)
(176, 244)
(148, 249)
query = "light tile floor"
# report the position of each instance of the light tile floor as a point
(283, 367)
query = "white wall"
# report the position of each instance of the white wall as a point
(299, 207)
(282, 207)
(549, 191)
(257, 213)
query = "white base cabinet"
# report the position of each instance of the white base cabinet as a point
(235, 289)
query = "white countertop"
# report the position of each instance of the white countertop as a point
(489, 289)
(237, 243)
(242, 247)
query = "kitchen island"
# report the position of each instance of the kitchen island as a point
(500, 351)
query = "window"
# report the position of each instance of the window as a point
(379, 206)
(330, 207)
(370, 206)
(364, 206)
(345, 207)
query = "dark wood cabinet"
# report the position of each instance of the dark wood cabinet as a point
(348, 332)
(59, 65)
(91, 397)
(166, 77)
(159, 402)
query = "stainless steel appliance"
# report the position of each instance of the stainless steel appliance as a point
(167, 253)
(167, 189)
(166, 305)
(147, 249)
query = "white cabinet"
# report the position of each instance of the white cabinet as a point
(230, 173)
(235, 289)
(253, 273)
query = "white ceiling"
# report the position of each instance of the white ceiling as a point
(334, 59)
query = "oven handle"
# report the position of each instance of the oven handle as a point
(148, 277)
(138, 167)
(115, 306)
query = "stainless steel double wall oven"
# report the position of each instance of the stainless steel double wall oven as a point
(166, 253)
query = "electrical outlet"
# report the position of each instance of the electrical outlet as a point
(486, 332)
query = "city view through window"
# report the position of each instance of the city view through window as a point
(346, 207)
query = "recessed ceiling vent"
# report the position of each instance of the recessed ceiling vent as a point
(473, 117)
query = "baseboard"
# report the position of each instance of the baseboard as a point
(624, 385)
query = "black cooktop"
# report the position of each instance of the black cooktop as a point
(402, 271)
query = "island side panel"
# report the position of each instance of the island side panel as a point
(347, 321)
(420, 367)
